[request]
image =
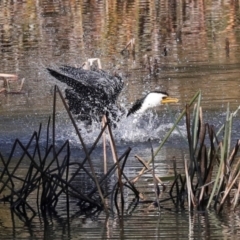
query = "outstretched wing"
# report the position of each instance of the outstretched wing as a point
(73, 79)
(97, 81)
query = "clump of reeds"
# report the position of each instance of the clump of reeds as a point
(51, 174)
(212, 170)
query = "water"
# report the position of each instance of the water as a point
(39, 34)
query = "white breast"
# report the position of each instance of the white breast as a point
(151, 100)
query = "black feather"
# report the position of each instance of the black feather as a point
(136, 106)
(93, 92)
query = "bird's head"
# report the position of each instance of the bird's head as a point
(152, 99)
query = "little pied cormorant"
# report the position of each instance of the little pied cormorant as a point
(94, 93)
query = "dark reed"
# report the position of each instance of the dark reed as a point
(48, 175)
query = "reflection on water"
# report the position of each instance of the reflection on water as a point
(140, 225)
(192, 44)
(36, 35)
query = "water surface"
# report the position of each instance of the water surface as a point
(191, 46)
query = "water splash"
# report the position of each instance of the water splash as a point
(135, 128)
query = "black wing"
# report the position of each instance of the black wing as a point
(93, 92)
(97, 81)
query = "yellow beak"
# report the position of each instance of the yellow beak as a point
(169, 100)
